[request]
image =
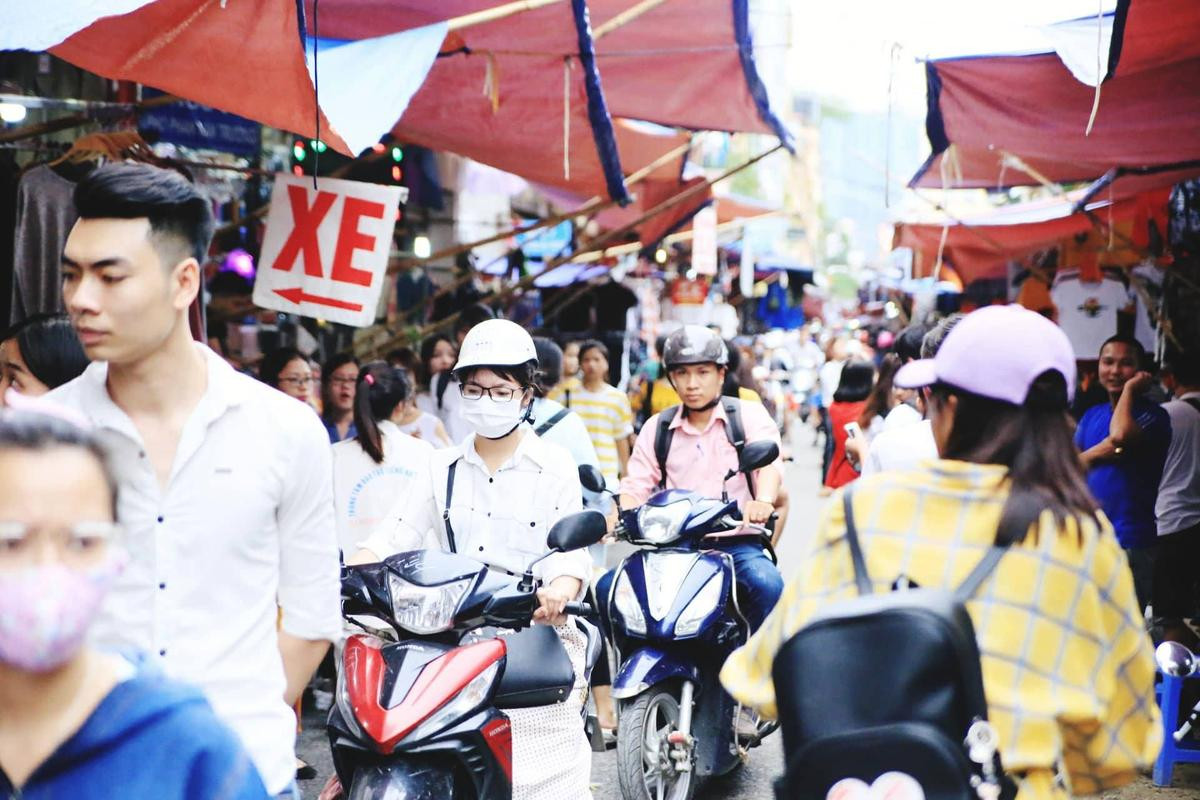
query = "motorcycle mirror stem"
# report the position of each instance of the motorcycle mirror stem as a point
(724, 488)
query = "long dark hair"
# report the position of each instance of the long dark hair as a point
(381, 388)
(879, 402)
(428, 345)
(49, 348)
(1033, 440)
(855, 383)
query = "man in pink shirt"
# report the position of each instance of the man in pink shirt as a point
(701, 453)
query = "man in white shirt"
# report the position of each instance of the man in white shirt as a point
(225, 484)
(1177, 510)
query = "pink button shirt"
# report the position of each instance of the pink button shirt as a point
(698, 460)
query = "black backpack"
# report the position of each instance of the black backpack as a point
(733, 431)
(891, 683)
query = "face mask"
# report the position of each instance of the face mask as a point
(493, 420)
(46, 610)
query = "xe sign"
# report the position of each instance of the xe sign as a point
(326, 249)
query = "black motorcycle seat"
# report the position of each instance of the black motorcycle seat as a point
(537, 671)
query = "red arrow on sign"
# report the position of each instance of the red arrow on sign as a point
(299, 296)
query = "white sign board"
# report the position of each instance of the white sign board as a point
(326, 249)
(704, 241)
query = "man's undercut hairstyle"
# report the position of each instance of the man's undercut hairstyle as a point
(932, 341)
(1139, 352)
(178, 213)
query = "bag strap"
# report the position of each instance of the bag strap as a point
(446, 513)
(662, 442)
(550, 423)
(1014, 524)
(736, 433)
(443, 381)
(861, 577)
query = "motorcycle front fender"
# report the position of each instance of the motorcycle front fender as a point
(649, 667)
(402, 780)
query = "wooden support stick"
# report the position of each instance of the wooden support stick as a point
(625, 17)
(498, 12)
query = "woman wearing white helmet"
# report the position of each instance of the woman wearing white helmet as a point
(494, 497)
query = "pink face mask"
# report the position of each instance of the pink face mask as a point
(46, 610)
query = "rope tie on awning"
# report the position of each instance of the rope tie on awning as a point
(951, 171)
(1099, 65)
(491, 81)
(567, 67)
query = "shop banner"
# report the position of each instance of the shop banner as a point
(326, 249)
(193, 125)
(704, 241)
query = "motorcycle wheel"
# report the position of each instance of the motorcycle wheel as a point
(645, 769)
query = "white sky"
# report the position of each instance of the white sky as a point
(843, 50)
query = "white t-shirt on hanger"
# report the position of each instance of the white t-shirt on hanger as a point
(1087, 312)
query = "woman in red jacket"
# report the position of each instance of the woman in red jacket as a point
(848, 403)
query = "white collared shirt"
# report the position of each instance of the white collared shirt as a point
(365, 491)
(500, 518)
(245, 523)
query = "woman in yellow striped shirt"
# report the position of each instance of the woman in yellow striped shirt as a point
(1067, 665)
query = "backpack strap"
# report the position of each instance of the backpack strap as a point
(861, 577)
(662, 442)
(550, 423)
(736, 433)
(443, 380)
(446, 512)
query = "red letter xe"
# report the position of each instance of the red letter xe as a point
(303, 238)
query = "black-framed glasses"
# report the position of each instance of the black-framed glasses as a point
(297, 382)
(499, 394)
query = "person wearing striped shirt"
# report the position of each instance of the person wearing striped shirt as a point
(604, 409)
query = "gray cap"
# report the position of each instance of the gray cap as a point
(695, 344)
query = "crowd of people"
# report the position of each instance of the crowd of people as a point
(198, 515)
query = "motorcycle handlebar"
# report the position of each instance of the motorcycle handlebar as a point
(579, 609)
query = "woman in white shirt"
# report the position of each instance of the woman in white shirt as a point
(494, 497)
(376, 466)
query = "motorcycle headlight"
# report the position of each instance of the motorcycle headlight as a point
(462, 704)
(702, 605)
(627, 605)
(662, 524)
(425, 609)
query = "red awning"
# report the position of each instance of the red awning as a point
(1155, 32)
(981, 246)
(1032, 107)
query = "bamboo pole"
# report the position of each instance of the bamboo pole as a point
(593, 206)
(373, 349)
(497, 12)
(78, 120)
(625, 17)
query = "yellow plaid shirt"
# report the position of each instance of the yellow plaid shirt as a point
(1067, 665)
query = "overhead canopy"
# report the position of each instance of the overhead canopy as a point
(982, 245)
(988, 108)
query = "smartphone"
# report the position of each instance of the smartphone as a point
(853, 430)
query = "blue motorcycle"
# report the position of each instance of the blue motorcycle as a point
(673, 616)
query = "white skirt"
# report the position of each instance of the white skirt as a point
(552, 758)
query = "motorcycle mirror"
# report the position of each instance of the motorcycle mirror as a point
(356, 597)
(591, 478)
(1175, 659)
(576, 531)
(757, 455)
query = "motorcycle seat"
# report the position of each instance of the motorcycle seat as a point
(537, 671)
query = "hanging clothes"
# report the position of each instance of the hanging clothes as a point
(1145, 326)
(1087, 311)
(45, 215)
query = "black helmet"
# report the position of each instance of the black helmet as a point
(695, 344)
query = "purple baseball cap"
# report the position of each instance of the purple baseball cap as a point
(996, 352)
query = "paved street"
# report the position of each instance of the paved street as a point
(752, 782)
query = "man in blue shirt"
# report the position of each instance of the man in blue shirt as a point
(1124, 444)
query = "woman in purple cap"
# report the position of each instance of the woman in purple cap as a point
(1067, 667)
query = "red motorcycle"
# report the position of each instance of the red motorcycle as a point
(422, 717)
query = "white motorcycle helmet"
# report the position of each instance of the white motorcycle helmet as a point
(495, 343)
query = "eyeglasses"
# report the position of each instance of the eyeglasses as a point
(499, 394)
(343, 381)
(81, 542)
(297, 382)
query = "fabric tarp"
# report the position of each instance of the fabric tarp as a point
(1032, 107)
(981, 246)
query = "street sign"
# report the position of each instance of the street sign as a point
(325, 252)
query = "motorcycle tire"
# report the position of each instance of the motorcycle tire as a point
(645, 771)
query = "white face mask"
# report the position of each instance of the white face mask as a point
(493, 420)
